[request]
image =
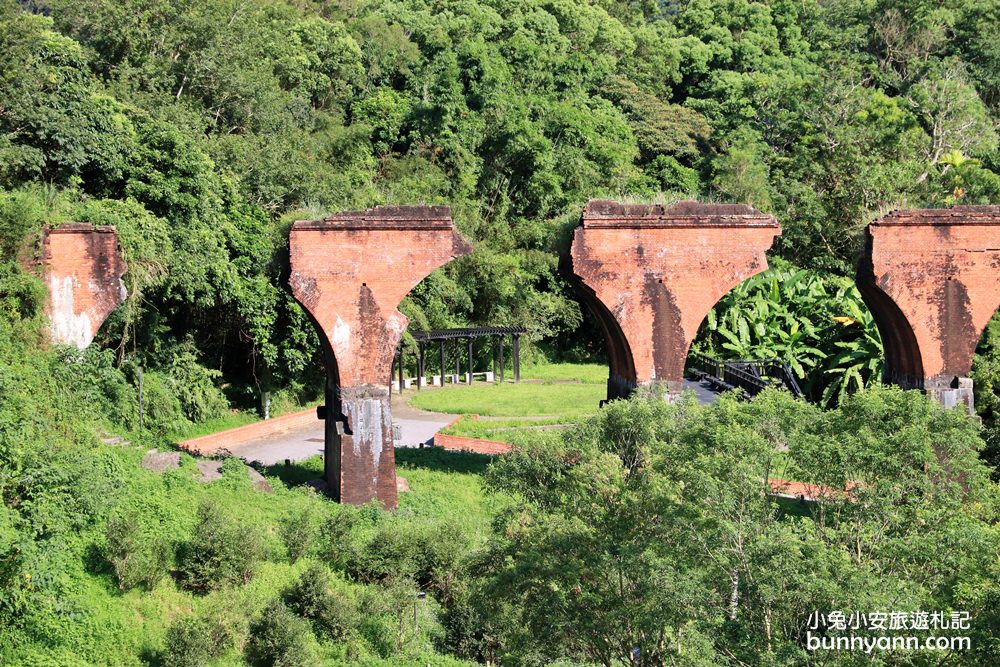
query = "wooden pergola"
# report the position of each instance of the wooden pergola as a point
(469, 334)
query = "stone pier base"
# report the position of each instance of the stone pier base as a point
(958, 391)
(359, 461)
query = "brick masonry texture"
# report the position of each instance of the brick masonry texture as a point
(83, 273)
(931, 278)
(460, 443)
(651, 273)
(350, 272)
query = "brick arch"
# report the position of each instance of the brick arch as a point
(932, 280)
(903, 364)
(621, 375)
(83, 269)
(350, 272)
(651, 273)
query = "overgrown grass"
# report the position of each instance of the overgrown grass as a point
(95, 623)
(447, 485)
(233, 419)
(514, 400)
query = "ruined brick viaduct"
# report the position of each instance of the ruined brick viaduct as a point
(83, 273)
(649, 273)
(930, 277)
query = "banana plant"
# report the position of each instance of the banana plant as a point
(814, 322)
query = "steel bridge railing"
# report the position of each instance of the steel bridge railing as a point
(751, 376)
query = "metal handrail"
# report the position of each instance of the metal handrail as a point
(752, 376)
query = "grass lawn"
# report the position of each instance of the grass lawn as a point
(584, 373)
(514, 400)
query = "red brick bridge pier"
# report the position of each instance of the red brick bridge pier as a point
(83, 270)
(651, 273)
(931, 278)
(350, 272)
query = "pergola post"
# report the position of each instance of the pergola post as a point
(500, 338)
(441, 352)
(420, 365)
(472, 364)
(517, 358)
(401, 359)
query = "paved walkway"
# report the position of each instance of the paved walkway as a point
(417, 428)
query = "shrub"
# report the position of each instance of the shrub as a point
(337, 543)
(189, 643)
(194, 385)
(299, 532)
(193, 640)
(221, 551)
(278, 638)
(162, 412)
(393, 552)
(314, 597)
(138, 557)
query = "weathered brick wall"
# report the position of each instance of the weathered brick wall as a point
(350, 272)
(83, 269)
(931, 278)
(461, 443)
(651, 274)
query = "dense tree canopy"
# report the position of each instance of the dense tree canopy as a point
(648, 534)
(202, 128)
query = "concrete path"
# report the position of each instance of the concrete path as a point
(417, 427)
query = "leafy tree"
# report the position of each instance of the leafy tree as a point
(653, 527)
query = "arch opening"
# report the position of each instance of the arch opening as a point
(806, 331)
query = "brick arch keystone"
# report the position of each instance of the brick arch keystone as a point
(931, 278)
(83, 269)
(350, 272)
(651, 273)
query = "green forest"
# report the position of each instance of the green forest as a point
(202, 129)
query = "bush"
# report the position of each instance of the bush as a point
(278, 638)
(337, 549)
(138, 556)
(189, 643)
(314, 597)
(221, 551)
(393, 552)
(162, 412)
(299, 532)
(194, 385)
(192, 640)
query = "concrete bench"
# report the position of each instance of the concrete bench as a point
(485, 376)
(410, 383)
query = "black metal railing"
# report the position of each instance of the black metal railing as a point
(751, 376)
